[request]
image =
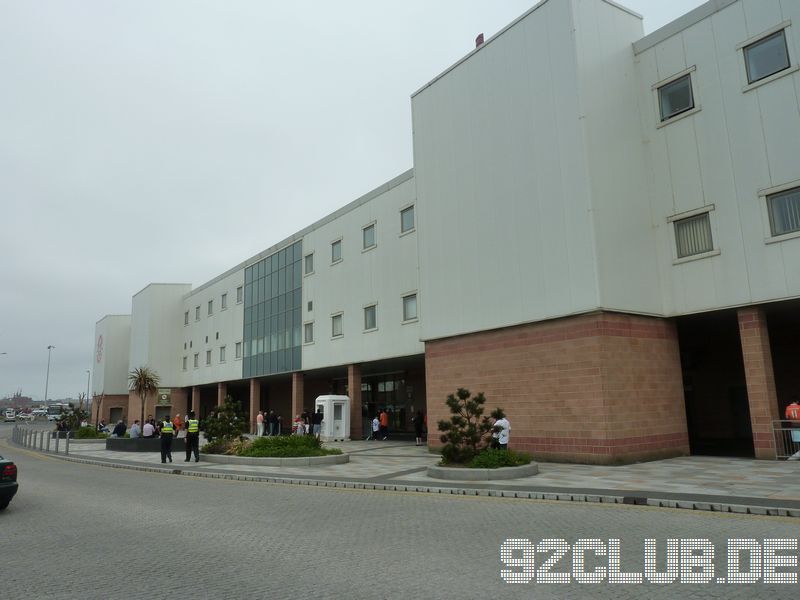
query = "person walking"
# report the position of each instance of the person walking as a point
(316, 421)
(192, 438)
(167, 431)
(376, 426)
(384, 421)
(418, 423)
(272, 422)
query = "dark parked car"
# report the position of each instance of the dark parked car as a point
(8, 481)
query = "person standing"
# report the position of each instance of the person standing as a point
(317, 422)
(418, 423)
(192, 438)
(376, 426)
(384, 422)
(272, 422)
(177, 425)
(793, 414)
(260, 424)
(503, 431)
(167, 431)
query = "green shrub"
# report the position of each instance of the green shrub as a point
(287, 446)
(467, 432)
(218, 446)
(228, 423)
(89, 433)
(496, 458)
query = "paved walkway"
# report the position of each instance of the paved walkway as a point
(688, 482)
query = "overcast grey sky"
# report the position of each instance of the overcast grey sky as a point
(167, 141)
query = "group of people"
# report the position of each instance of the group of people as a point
(268, 423)
(380, 426)
(166, 429)
(308, 423)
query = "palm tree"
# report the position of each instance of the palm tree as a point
(143, 381)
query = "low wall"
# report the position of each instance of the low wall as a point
(467, 474)
(142, 444)
(303, 461)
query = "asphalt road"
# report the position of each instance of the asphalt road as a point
(83, 531)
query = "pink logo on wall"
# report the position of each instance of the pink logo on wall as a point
(100, 348)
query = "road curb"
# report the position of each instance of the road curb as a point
(729, 508)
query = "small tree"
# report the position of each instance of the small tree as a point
(228, 423)
(468, 430)
(71, 419)
(143, 381)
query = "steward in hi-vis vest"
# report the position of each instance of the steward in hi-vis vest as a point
(192, 438)
(166, 440)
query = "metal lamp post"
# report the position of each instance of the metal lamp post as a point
(47, 380)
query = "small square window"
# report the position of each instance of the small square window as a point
(784, 212)
(238, 349)
(407, 219)
(196, 313)
(410, 307)
(218, 335)
(210, 307)
(308, 333)
(196, 359)
(222, 354)
(368, 234)
(239, 294)
(186, 318)
(693, 235)
(310, 306)
(309, 264)
(223, 302)
(185, 362)
(336, 326)
(676, 97)
(208, 357)
(766, 57)
(190, 343)
(336, 251)
(370, 318)
(206, 339)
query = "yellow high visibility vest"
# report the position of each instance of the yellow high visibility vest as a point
(166, 427)
(194, 426)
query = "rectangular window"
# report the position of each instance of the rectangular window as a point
(186, 318)
(208, 357)
(368, 235)
(222, 354)
(210, 307)
(196, 313)
(238, 349)
(309, 264)
(336, 326)
(410, 307)
(784, 211)
(239, 294)
(336, 251)
(223, 302)
(675, 97)
(407, 219)
(308, 333)
(766, 57)
(185, 362)
(370, 318)
(196, 359)
(693, 235)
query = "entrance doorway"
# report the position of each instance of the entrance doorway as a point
(714, 385)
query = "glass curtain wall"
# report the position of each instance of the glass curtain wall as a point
(272, 313)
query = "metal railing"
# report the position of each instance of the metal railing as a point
(787, 438)
(41, 439)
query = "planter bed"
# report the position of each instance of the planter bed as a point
(141, 444)
(301, 461)
(467, 474)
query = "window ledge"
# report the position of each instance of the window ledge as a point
(336, 262)
(310, 273)
(693, 257)
(410, 231)
(240, 358)
(679, 116)
(370, 330)
(308, 343)
(336, 337)
(414, 320)
(363, 250)
(770, 78)
(782, 237)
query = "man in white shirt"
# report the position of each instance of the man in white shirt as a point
(148, 430)
(504, 432)
(136, 430)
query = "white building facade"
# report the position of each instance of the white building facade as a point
(601, 232)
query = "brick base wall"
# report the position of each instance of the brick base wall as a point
(599, 388)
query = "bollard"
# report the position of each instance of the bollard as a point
(48, 441)
(57, 438)
(41, 442)
(66, 447)
(25, 443)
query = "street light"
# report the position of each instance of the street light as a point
(47, 380)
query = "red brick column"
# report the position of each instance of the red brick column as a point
(255, 403)
(222, 391)
(297, 393)
(760, 377)
(354, 390)
(195, 406)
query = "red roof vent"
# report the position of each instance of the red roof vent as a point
(479, 40)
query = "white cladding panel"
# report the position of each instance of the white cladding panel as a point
(504, 195)
(112, 338)
(738, 143)
(381, 276)
(156, 323)
(223, 328)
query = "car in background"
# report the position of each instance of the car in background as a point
(9, 415)
(25, 416)
(8, 481)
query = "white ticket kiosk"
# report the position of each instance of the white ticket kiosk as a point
(336, 417)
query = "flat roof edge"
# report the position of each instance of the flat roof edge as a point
(683, 22)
